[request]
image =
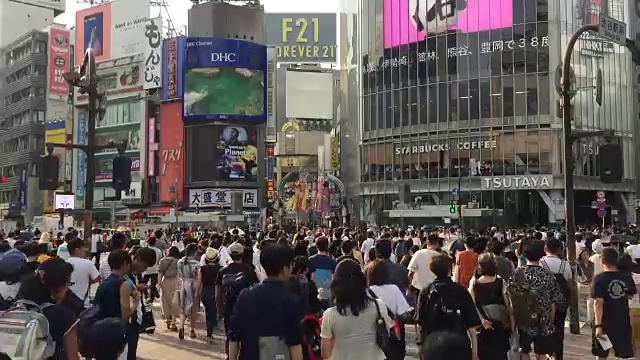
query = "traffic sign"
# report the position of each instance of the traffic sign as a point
(612, 29)
(602, 213)
(594, 205)
(600, 194)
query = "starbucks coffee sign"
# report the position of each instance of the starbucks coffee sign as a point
(525, 182)
(444, 146)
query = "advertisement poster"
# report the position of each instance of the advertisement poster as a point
(153, 54)
(171, 151)
(302, 37)
(120, 29)
(59, 61)
(221, 198)
(132, 137)
(104, 167)
(172, 68)
(80, 164)
(55, 133)
(224, 79)
(436, 16)
(237, 154)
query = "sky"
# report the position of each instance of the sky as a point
(179, 8)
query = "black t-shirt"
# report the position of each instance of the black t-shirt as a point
(234, 269)
(61, 321)
(209, 274)
(615, 287)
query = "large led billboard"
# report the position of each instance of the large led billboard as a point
(224, 79)
(409, 21)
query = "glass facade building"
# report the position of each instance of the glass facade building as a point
(459, 101)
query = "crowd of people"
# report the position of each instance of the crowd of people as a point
(320, 293)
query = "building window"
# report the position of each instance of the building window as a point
(121, 114)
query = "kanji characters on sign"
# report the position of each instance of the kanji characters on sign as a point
(221, 198)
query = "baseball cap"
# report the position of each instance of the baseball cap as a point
(12, 261)
(236, 248)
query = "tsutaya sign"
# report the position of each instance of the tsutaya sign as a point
(517, 182)
(445, 146)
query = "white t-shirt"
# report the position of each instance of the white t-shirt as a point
(151, 270)
(597, 265)
(84, 272)
(95, 238)
(105, 269)
(223, 257)
(419, 265)
(366, 246)
(391, 296)
(178, 244)
(63, 251)
(553, 264)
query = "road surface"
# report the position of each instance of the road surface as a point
(165, 345)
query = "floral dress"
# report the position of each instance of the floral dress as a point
(188, 268)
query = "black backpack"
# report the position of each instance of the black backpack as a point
(563, 284)
(439, 310)
(232, 285)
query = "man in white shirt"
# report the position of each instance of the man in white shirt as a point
(367, 245)
(151, 274)
(96, 238)
(420, 274)
(118, 242)
(84, 271)
(63, 250)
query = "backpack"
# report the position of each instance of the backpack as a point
(524, 300)
(563, 284)
(311, 338)
(440, 311)
(87, 336)
(232, 285)
(25, 332)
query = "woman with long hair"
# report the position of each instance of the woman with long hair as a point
(349, 328)
(168, 279)
(47, 288)
(188, 269)
(489, 294)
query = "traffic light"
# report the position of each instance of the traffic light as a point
(452, 207)
(49, 166)
(611, 168)
(121, 174)
(3, 179)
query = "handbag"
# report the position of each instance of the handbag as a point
(147, 322)
(383, 336)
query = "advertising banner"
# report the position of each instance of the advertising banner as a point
(272, 61)
(153, 54)
(152, 147)
(22, 197)
(171, 171)
(335, 153)
(302, 37)
(59, 61)
(237, 153)
(120, 29)
(224, 79)
(131, 136)
(410, 21)
(118, 81)
(211, 198)
(81, 157)
(55, 133)
(104, 166)
(172, 67)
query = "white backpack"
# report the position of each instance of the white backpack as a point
(24, 331)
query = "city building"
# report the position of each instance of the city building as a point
(23, 90)
(128, 52)
(19, 17)
(469, 112)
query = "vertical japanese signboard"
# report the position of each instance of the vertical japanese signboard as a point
(152, 147)
(153, 54)
(59, 61)
(272, 60)
(172, 68)
(81, 157)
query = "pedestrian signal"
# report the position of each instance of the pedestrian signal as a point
(452, 208)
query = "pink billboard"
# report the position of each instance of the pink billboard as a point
(409, 21)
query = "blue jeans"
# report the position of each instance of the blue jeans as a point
(211, 311)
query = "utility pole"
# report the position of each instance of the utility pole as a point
(86, 79)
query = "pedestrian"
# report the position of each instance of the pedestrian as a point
(84, 271)
(168, 278)
(207, 280)
(611, 290)
(322, 265)
(188, 269)
(266, 319)
(349, 327)
(151, 274)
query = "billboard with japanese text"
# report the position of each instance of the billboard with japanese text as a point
(172, 61)
(171, 151)
(409, 21)
(59, 62)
